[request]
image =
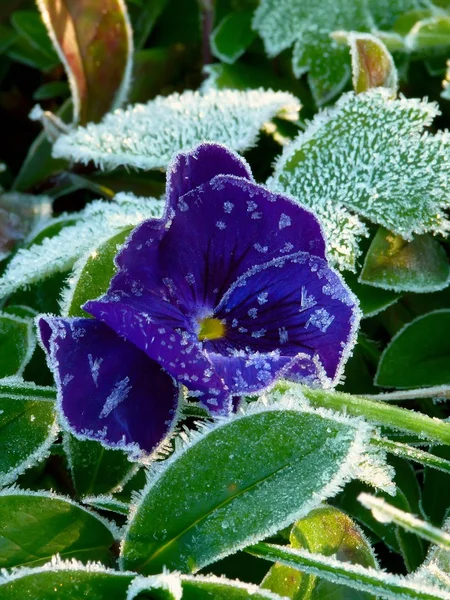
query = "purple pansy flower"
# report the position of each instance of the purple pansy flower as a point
(229, 291)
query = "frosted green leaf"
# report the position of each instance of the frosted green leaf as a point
(108, 503)
(71, 580)
(147, 135)
(418, 354)
(91, 275)
(65, 580)
(94, 224)
(309, 24)
(386, 513)
(197, 588)
(369, 156)
(382, 584)
(96, 470)
(436, 568)
(27, 426)
(238, 500)
(17, 344)
(432, 32)
(34, 526)
(326, 530)
(393, 264)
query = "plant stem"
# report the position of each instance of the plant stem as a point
(406, 451)
(437, 391)
(386, 513)
(380, 413)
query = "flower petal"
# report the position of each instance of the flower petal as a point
(296, 305)
(251, 372)
(108, 390)
(220, 230)
(166, 335)
(190, 169)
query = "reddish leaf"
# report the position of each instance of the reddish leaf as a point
(94, 40)
(372, 64)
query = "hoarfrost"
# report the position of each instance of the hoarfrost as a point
(117, 396)
(147, 135)
(353, 434)
(369, 156)
(365, 579)
(95, 224)
(308, 24)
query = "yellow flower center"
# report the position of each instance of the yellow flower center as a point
(211, 329)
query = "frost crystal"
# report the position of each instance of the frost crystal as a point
(147, 135)
(309, 23)
(369, 155)
(95, 224)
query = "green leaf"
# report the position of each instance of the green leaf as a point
(38, 163)
(56, 250)
(174, 587)
(237, 500)
(27, 426)
(402, 186)
(154, 69)
(434, 502)
(29, 25)
(7, 37)
(17, 343)
(220, 588)
(95, 469)
(371, 300)
(385, 512)
(92, 279)
(436, 569)
(145, 18)
(418, 355)
(380, 583)
(231, 38)
(147, 136)
(329, 531)
(34, 526)
(308, 24)
(394, 264)
(65, 581)
(52, 89)
(108, 503)
(432, 32)
(328, 77)
(372, 63)
(87, 36)
(22, 51)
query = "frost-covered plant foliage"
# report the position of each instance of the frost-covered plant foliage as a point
(224, 308)
(370, 155)
(309, 25)
(147, 135)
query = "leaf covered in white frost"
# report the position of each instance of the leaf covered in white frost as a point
(94, 224)
(147, 135)
(239, 500)
(369, 156)
(436, 568)
(308, 24)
